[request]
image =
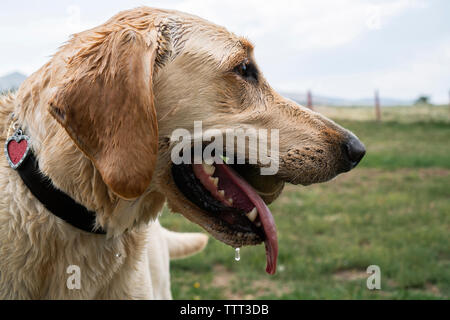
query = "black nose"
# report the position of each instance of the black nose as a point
(354, 151)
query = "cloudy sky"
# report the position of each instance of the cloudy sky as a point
(342, 48)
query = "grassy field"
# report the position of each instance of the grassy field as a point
(392, 211)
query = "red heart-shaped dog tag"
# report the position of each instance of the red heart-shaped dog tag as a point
(16, 149)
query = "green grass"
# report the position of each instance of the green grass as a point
(392, 211)
(403, 114)
(393, 145)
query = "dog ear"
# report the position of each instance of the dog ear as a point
(106, 106)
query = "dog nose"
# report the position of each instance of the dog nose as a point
(354, 150)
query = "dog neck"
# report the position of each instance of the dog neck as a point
(69, 169)
(54, 200)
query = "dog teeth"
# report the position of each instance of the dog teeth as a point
(209, 169)
(230, 201)
(215, 181)
(252, 215)
(258, 224)
(221, 193)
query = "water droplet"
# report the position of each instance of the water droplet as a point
(237, 255)
(118, 255)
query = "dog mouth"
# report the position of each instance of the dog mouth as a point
(234, 199)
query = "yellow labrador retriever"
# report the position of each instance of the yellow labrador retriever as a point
(88, 157)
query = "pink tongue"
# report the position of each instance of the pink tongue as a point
(265, 216)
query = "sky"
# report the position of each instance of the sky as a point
(339, 48)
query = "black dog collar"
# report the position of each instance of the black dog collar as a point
(22, 159)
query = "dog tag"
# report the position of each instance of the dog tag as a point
(17, 148)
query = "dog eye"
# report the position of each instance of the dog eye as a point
(247, 71)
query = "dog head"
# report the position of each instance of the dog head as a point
(130, 83)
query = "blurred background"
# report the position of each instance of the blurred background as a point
(379, 68)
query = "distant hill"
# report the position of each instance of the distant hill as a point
(333, 101)
(11, 81)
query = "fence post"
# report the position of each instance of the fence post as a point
(377, 106)
(310, 101)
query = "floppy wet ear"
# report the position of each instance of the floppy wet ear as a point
(106, 106)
